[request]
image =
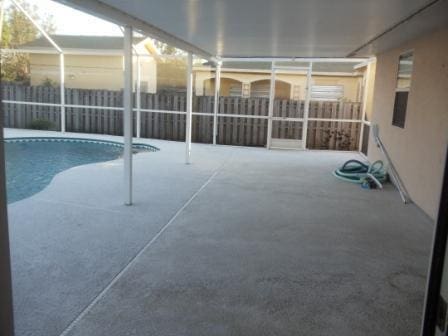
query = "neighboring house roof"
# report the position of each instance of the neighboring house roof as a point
(94, 44)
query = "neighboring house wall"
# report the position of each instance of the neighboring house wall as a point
(352, 85)
(148, 74)
(171, 75)
(417, 150)
(228, 87)
(295, 88)
(89, 71)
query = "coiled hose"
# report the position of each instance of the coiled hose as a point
(357, 172)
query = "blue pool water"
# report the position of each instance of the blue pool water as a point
(32, 163)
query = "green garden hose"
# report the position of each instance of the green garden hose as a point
(357, 172)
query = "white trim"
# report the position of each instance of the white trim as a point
(291, 68)
(289, 59)
(18, 102)
(248, 116)
(265, 71)
(365, 63)
(335, 120)
(78, 52)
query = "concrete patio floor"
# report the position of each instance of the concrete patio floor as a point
(244, 241)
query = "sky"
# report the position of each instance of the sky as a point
(69, 21)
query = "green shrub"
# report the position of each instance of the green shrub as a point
(48, 82)
(42, 124)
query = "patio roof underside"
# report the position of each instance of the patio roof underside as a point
(281, 28)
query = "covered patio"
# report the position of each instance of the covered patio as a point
(206, 239)
(242, 242)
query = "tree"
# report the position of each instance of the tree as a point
(166, 49)
(17, 30)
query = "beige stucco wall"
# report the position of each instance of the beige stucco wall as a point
(282, 89)
(352, 85)
(89, 71)
(370, 91)
(226, 83)
(296, 83)
(418, 150)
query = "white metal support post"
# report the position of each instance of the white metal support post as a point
(138, 98)
(306, 110)
(127, 115)
(271, 106)
(216, 104)
(189, 108)
(364, 105)
(62, 90)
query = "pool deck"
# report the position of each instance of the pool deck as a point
(243, 241)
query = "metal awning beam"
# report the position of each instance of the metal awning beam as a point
(298, 59)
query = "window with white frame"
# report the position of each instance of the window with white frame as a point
(404, 75)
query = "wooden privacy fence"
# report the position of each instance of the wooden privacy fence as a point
(248, 129)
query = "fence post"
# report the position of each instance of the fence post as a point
(271, 106)
(306, 111)
(216, 104)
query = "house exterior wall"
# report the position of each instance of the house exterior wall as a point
(224, 88)
(370, 82)
(297, 83)
(171, 75)
(417, 150)
(89, 71)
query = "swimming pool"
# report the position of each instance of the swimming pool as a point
(31, 163)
